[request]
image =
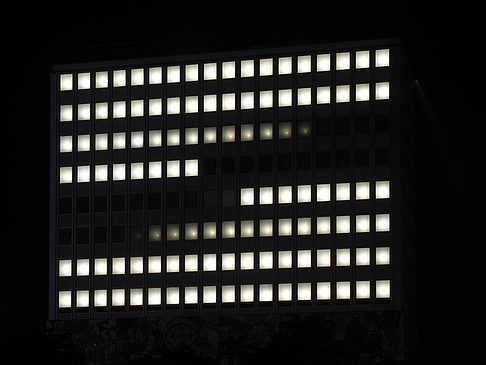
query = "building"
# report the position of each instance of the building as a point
(256, 182)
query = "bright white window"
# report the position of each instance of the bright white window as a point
(246, 196)
(382, 58)
(303, 226)
(342, 191)
(137, 77)
(173, 137)
(323, 257)
(173, 105)
(101, 266)
(228, 261)
(228, 229)
(284, 194)
(155, 75)
(66, 82)
(342, 224)
(304, 259)
(323, 62)
(191, 104)
(266, 99)
(154, 296)
(285, 292)
(266, 195)
(136, 297)
(304, 193)
(362, 92)
(101, 110)
(342, 93)
(266, 260)
(82, 298)
(362, 256)
(362, 223)
(285, 97)
(210, 103)
(192, 72)
(382, 222)
(172, 263)
(155, 106)
(82, 267)
(209, 230)
(209, 262)
(266, 292)
(228, 293)
(362, 190)
(172, 295)
(383, 288)
(304, 96)
(285, 227)
(246, 132)
(118, 297)
(101, 142)
(173, 168)
(172, 232)
(323, 225)
(119, 109)
(228, 133)
(64, 299)
(154, 264)
(284, 65)
(118, 266)
(323, 291)
(136, 140)
(209, 294)
(247, 101)
(323, 192)
(342, 61)
(323, 95)
(266, 67)
(210, 71)
(228, 101)
(65, 175)
(343, 290)
(66, 144)
(66, 113)
(285, 259)
(136, 265)
(119, 78)
(65, 268)
(382, 190)
(191, 168)
(173, 74)
(83, 111)
(119, 140)
(228, 70)
(266, 228)
(382, 91)
(190, 231)
(382, 256)
(247, 68)
(83, 174)
(100, 298)
(362, 59)
(246, 293)
(246, 261)
(303, 64)
(155, 138)
(362, 289)
(343, 257)
(304, 291)
(190, 263)
(284, 130)
(136, 170)
(210, 135)
(266, 131)
(84, 81)
(190, 295)
(246, 229)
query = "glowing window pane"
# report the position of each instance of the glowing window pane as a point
(173, 169)
(210, 135)
(155, 107)
(65, 268)
(100, 298)
(323, 291)
(382, 190)
(246, 293)
(118, 140)
(191, 231)
(209, 294)
(210, 71)
(209, 262)
(284, 65)
(383, 288)
(323, 258)
(266, 260)
(119, 109)
(343, 290)
(65, 175)
(82, 298)
(362, 59)
(228, 70)
(246, 261)
(362, 289)
(362, 256)
(323, 95)
(155, 75)
(192, 72)
(101, 173)
(247, 196)
(382, 58)
(323, 225)
(284, 194)
(173, 137)
(382, 91)
(304, 258)
(173, 74)
(228, 293)
(284, 130)
(118, 297)
(173, 105)
(119, 78)
(304, 96)
(246, 132)
(190, 263)
(64, 299)
(266, 228)
(266, 131)
(382, 222)
(101, 110)
(228, 229)
(229, 133)
(154, 264)
(136, 140)
(266, 195)
(342, 224)
(191, 168)
(303, 64)
(172, 232)
(266, 292)
(342, 61)
(285, 292)
(285, 227)
(209, 230)
(154, 296)
(82, 267)
(342, 191)
(172, 296)
(155, 170)
(246, 229)
(362, 190)
(304, 291)
(285, 97)
(266, 99)
(84, 81)
(343, 257)
(118, 266)
(285, 259)
(83, 111)
(101, 142)
(210, 103)
(228, 261)
(304, 226)
(136, 265)
(136, 170)
(362, 92)
(303, 193)
(362, 223)
(323, 192)
(247, 68)
(172, 263)
(83, 174)
(228, 101)
(190, 295)
(137, 77)
(101, 79)
(66, 82)
(266, 67)
(342, 93)
(247, 101)
(66, 113)
(66, 144)
(191, 104)
(323, 62)
(382, 256)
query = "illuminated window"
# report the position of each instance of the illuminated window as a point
(323, 192)
(173, 105)
(66, 144)
(118, 297)
(136, 170)
(362, 59)
(323, 225)
(323, 257)
(362, 256)
(227, 261)
(173, 169)
(154, 264)
(119, 140)
(191, 168)
(304, 259)
(284, 65)
(383, 288)
(154, 296)
(119, 109)
(118, 266)
(382, 256)
(285, 259)
(66, 113)
(136, 265)
(228, 133)
(304, 291)
(136, 297)
(247, 68)
(323, 291)
(246, 132)
(82, 298)
(119, 78)
(266, 67)
(246, 229)
(285, 227)
(155, 170)
(342, 93)
(246, 261)
(210, 135)
(155, 75)
(382, 58)
(247, 100)
(342, 224)
(191, 104)
(83, 174)
(66, 82)
(190, 231)
(210, 103)
(246, 293)
(266, 292)
(266, 99)
(266, 228)
(285, 292)
(209, 294)
(101, 142)
(100, 298)
(266, 195)
(209, 262)
(172, 263)
(65, 175)
(155, 107)
(323, 95)
(266, 131)
(209, 230)
(343, 257)
(228, 229)
(382, 190)
(342, 191)
(228, 70)
(83, 111)
(155, 138)
(362, 92)
(173, 74)
(136, 139)
(64, 298)
(192, 72)
(266, 260)
(228, 101)
(84, 81)
(323, 62)
(228, 293)
(64, 267)
(246, 196)
(362, 190)
(190, 295)
(172, 295)
(284, 194)
(304, 96)
(382, 222)
(382, 91)
(362, 223)
(172, 232)
(303, 226)
(303, 193)
(342, 61)
(343, 290)
(303, 64)
(101, 266)
(137, 77)
(362, 289)
(210, 71)
(101, 110)
(190, 263)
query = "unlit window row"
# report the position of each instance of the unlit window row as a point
(210, 103)
(228, 70)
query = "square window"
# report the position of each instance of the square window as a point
(343, 290)
(209, 230)
(266, 131)
(383, 289)
(246, 197)
(323, 291)
(323, 95)
(342, 94)
(101, 142)
(136, 139)
(323, 225)
(191, 168)
(82, 298)
(82, 267)
(362, 289)
(118, 266)
(304, 96)
(323, 258)
(210, 71)
(362, 256)
(83, 174)
(190, 231)
(362, 92)
(323, 192)
(285, 97)
(136, 170)
(342, 224)
(192, 72)
(118, 297)
(209, 262)
(172, 263)
(84, 111)
(172, 296)
(285, 259)
(137, 77)
(100, 298)
(285, 130)
(266, 67)
(66, 144)
(303, 64)
(362, 59)
(136, 265)
(246, 261)
(303, 226)
(362, 190)
(64, 268)
(155, 75)
(246, 293)
(342, 191)
(266, 228)
(154, 296)
(228, 70)
(190, 295)
(228, 293)
(266, 292)
(210, 135)
(228, 229)
(66, 82)
(266, 260)
(382, 256)
(246, 229)
(266, 99)
(343, 257)
(382, 222)
(228, 198)
(323, 62)
(285, 292)
(173, 137)
(119, 140)
(172, 232)
(382, 58)
(227, 261)
(304, 193)
(209, 294)
(362, 223)
(382, 190)
(119, 109)
(191, 104)
(266, 195)
(284, 65)
(173, 74)
(154, 264)
(382, 90)
(119, 78)
(247, 68)
(101, 173)
(228, 133)
(173, 105)
(210, 103)
(173, 169)
(83, 142)
(155, 170)
(155, 107)
(247, 101)
(228, 101)
(304, 291)
(342, 61)
(190, 263)
(285, 227)
(304, 259)
(246, 132)
(284, 194)
(84, 81)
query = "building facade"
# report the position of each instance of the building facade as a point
(272, 181)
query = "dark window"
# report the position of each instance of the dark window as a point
(210, 199)
(382, 156)
(342, 125)
(136, 233)
(304, 130)
(265, 163)
(323, 127)
(303, 160)
(100, 203)
(118, 203)
(209, 166)
(82, 235)
(154, 201)
(382, 123)
(82, 204)
(65, 205)
(64, 236)
(228, 165)
(118, 234)
(323, 159)
(155, 233)
(342, 158)
(136, 201)
(190, 199)
(362, 157)
(362, 125)
(172, 200)
(284, 161)
(246, 163)
(100, 235)
(228, 198)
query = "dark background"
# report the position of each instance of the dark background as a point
(444, 49)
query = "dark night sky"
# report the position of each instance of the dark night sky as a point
(442, 46)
